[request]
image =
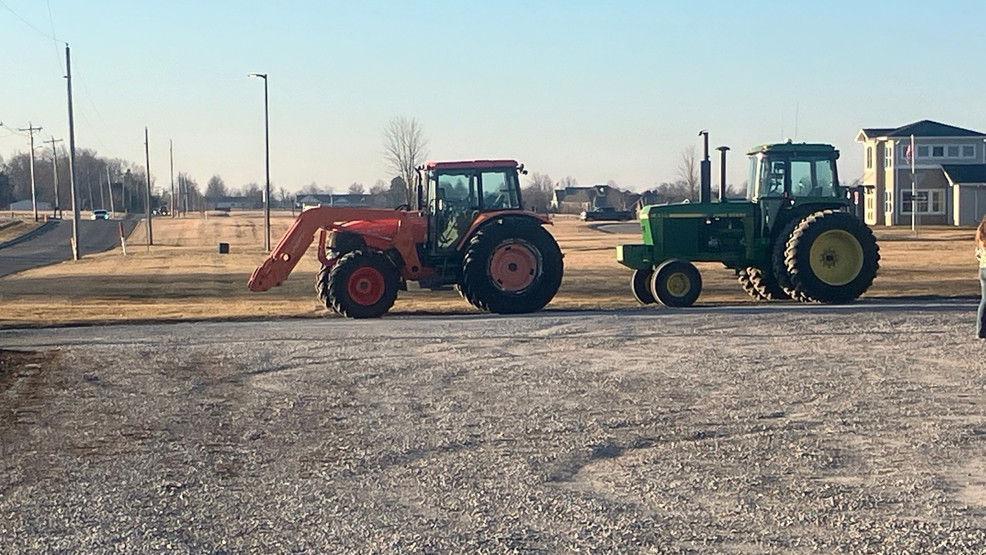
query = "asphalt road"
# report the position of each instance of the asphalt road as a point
(754, 429)
(619, 227)
(53, 245)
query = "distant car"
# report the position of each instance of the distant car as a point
(598, 214)
(100, 214)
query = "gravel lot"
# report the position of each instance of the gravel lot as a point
(750, 429)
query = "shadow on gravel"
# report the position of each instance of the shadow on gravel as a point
(869, 305)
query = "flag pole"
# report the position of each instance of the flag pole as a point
(914, 193)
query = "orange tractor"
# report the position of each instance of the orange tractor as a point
(469, 230)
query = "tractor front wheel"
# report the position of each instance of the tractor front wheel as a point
(676, 283)
(511, 268)
(640, 284)
(362, 285)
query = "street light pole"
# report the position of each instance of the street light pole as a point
(76, 252)
(267, 161)
(147, 193)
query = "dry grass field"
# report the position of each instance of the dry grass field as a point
(14, 228)
(183, 277)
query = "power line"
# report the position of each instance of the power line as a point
(28, 23)
(51, 23)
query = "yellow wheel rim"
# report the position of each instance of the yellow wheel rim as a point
(679, 284)
(836, 257)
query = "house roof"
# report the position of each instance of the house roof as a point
(965, 173)
(923, 128)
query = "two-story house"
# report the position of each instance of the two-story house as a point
(949, 174)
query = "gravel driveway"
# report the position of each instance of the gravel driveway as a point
(751, 429)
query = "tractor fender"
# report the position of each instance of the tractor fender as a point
(801, 212)
(502, 216)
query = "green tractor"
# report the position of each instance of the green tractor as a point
(794, 236)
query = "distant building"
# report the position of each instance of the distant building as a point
(333, 199)
(27, 205)
(235, 203)
(950, 174)
(574, 200)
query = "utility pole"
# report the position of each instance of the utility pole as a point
(102, 197)
(34, 196)
(147, 195)
(184, 184)
(54, 170)
(71, 158)
(171, 145)
(109, 188)
(267, 158)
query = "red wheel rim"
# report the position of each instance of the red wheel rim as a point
(366, 286)
(514, 266)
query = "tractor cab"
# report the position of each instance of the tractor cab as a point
(454, 194)
(789, 175)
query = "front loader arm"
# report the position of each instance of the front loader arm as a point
(293, 245)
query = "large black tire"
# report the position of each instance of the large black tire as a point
(778, 262)
(640, 285)
(676, 283)
(832, 257)
(322, 287)
(362, 285)
(511, 267)
(761, 285)
(743, 276)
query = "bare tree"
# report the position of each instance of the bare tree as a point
(688, 172)
(568, 181)
(356, 189)
(405, 148)
(537, 194)
(216, 188)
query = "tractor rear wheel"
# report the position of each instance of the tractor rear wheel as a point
(640, 284)
(676, 283)
(511, 268)
(322, 286)
(832, 257)
(362, 285)
(779, 263)
(761, 285)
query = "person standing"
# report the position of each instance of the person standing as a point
(981, 255)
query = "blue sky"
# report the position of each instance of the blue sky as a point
(593, 90)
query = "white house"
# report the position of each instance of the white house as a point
(949, 176)
(26, 205)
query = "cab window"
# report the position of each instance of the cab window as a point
(812, 178)
(457, 190)
(499, 190)
(772, 184)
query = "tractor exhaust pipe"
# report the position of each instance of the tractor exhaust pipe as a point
(722, 173)
(705, 192)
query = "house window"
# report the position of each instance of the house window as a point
(923, 202)
(888, 158)
(953, 151)
(968, 151)
(888, 202)
(923, 151)
(937, 152)
(869, 157)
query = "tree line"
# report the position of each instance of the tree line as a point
(101, 182)
(113, 183)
